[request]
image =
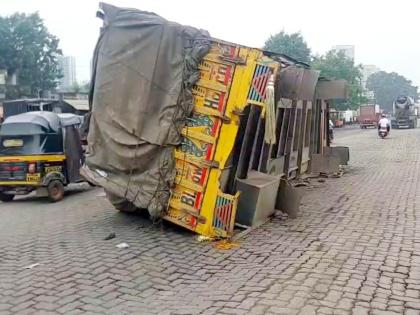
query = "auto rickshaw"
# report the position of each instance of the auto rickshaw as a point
(39, 151)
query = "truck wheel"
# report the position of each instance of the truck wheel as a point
(6, 197)
(121, 204)
(55, 190)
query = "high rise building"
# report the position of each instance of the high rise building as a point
(367, 71)
(68, 70)
(348, 50)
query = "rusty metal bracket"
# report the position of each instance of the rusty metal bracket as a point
(211, 164)
(238, 112)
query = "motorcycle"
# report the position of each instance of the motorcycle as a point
(383, 132)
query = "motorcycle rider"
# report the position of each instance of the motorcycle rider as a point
(384, 123)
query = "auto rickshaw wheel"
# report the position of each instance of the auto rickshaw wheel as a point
(6, 197)
(55, 190)
(121, 204)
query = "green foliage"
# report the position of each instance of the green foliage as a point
(85, 87)
(335, 65)
(30, 51)
(75, 87)
(292, 45)
(388, 86)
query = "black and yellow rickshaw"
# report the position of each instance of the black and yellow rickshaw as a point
(39, 151)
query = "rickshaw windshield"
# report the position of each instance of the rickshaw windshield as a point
(30, 144)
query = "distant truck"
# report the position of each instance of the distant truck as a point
(369, 116)
(404, 113)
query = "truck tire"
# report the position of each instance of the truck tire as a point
(6, 197)
(121, 204)
(55, 190)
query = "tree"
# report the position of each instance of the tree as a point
(336, 65)
(75, 87)
(388, 86)
(30, 52)
(85, 87)
(292, 45)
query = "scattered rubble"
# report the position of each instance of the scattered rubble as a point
(110, 236)
(122, 245)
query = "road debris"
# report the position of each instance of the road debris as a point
(122, 246)
(225, 244)
(31, 266)
(298, 228)
(337, 175)
(110, 236)
(202, 238)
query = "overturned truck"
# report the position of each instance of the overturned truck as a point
(182, 123)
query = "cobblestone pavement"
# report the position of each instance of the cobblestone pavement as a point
(355, 248)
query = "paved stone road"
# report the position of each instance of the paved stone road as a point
(354, 249)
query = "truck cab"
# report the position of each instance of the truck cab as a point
(404, 113)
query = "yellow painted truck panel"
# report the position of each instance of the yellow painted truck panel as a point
(231, 77)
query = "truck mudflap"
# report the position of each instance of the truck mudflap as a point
(230, 78)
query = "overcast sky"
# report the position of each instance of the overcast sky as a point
(385, 33)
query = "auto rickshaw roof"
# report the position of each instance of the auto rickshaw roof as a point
(67, 119)
(48, 121)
